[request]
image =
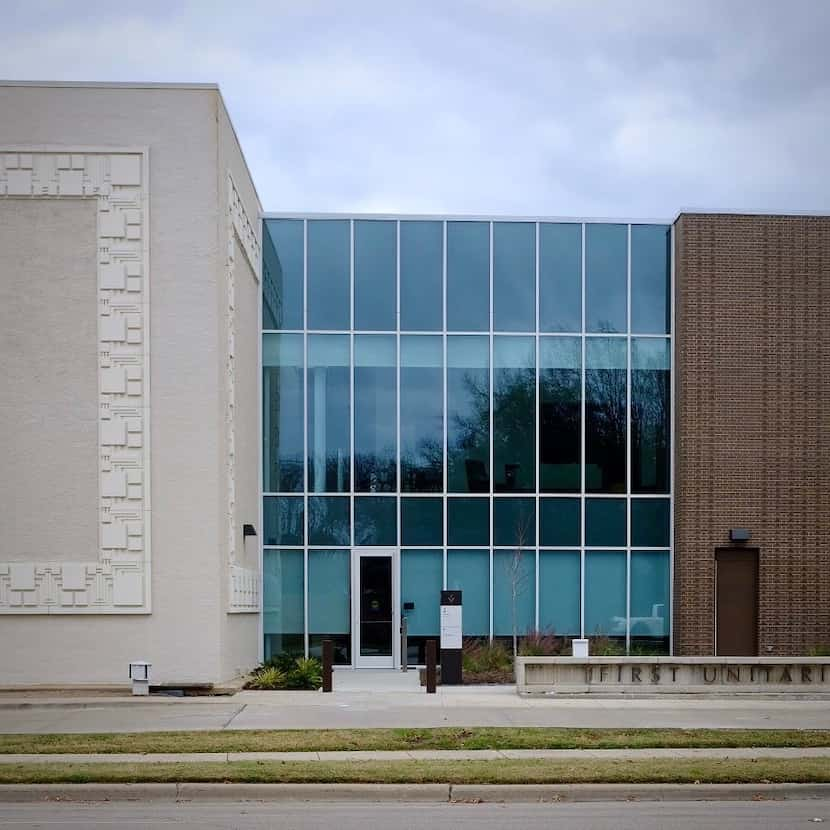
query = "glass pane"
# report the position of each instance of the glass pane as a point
(605, 522)
(422, 521)
(375, 607)
(375, 413)
(468, 414)
(329, 252)
(650, 279)
(375, 275)
(282, 274)
(559, 522)
(329, 414)
(605, 594)
(650, 598)
(606, 270)
(329, 520)
(650, 415)
(650, 523)
(469, 572)
(559, 574)
(282, 599)
(514, 414)
(468, 521)
(329, 594)
(422, 577)
(422, 413)
(514, 276)
(560, 391)
(468, 276)
(282, 412)
(375, 520)
(422, 276)
(283, 519)
(514, 592)
(560, 277)
(514, 521)
(605, 393)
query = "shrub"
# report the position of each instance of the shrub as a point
(639, 649)
(266, 677)
(818, 650)
(306, 674)
(602, 646)
(287, 671)
(541, 644)
(480, 656)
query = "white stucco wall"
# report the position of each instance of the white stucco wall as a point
(240, 632)
(48, 402)
(187, 636)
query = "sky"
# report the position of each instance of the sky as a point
(595, 108)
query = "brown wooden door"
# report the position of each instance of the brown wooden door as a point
(737, 602)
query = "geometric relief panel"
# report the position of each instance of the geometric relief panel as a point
(243, 240)
(115, 578)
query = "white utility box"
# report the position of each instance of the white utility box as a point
(580, 648)
(140, 675)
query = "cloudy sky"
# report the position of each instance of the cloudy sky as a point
(550, 107)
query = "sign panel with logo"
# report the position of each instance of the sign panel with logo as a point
(451, 637)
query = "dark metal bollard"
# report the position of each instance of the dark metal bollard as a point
(328, 661)
(431, 672)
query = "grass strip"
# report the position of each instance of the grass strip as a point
(760, 771)
(293, 740)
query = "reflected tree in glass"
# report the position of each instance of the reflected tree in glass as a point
(605, 413)
(422, 414)
(514, 413)
(329, 414)
(375, 413)
(650, 415)
(468, 414)
(560, 392)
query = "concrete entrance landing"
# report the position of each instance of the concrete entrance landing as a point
(376, 680)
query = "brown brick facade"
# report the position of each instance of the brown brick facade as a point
(752, 434)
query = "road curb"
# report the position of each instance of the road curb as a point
(17, 793)
(365, 793)
(542, 793)
(411, 793)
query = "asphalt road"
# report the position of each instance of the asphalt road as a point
(768, 815)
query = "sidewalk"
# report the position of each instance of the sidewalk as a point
(747, 753)
(366, 699)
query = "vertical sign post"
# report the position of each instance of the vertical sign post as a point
(451, 638)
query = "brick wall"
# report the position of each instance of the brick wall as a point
(752, 443)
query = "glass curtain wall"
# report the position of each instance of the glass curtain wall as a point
(490, 401)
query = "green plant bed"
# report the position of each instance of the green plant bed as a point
(287, 672)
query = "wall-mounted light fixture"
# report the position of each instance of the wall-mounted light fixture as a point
(739, 534)
(248, 530)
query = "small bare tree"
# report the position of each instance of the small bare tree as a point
(516, 574)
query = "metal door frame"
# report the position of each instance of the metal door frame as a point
(376, 662)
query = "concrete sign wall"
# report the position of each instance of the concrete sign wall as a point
(569, 675)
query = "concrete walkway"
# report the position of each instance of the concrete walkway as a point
(747, 753)
(365, 699)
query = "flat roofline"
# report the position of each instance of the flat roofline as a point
(461, 217)
(109, 84)
(210, 87)
(745, 212)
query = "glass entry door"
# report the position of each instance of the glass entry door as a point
(375, 590)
